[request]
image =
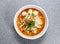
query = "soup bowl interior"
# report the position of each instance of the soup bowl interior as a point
(44, 29)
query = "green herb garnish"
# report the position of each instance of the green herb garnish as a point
(30, 25)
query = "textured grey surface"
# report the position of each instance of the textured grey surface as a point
(8, 8)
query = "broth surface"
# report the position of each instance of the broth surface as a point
(28, 32)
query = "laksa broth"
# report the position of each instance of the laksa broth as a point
(30, 21)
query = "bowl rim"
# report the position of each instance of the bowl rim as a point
(38, 35)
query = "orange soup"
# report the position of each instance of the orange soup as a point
(30, 21)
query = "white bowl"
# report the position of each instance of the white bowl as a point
(44, 29)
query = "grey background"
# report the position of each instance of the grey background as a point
(8, 8)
